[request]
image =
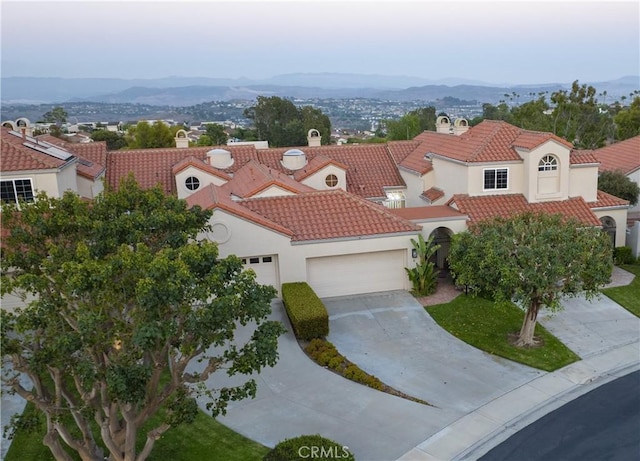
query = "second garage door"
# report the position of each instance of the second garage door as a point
(357, 273)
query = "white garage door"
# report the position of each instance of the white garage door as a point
(357, 273)
(265, 267)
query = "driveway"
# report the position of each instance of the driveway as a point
(390, 335)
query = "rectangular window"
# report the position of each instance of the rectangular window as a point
(16, 189)
(266, 259)
(496, 178)
(254, 260)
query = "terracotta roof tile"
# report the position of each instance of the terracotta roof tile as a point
(370, 167)
(488, 206)
(316, 164)
(623, 156)
(582, 157)
(17, 157)
(427, 212)
(605, 200)
(433, 194)
(154, 166)
(331, 214)
(401, 149)
(253, 178)
(199, 164)
(92, 155)
(489, 141)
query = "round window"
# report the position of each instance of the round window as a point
(192, 183)
(331, 180)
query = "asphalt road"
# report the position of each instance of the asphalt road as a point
(603, 424)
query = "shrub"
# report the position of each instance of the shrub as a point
(306, 447)
(623, 255)
(306, 311)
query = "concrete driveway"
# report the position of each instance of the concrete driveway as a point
(391, 336)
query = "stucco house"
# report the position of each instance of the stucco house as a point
(341, 217)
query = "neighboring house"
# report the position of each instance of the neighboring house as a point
(341, 217)
(624, 156)
(33, 164)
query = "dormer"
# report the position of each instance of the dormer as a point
(182, 140)
(313, 138)
(294, 159)
(220, 158)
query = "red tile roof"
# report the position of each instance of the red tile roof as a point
(316, 164)
(253, 178)
(17, 157)
(370, 167)
(433, 194)
(489, 141)
(582, 157)
(427, 212)
(488, 206)
(322, 215)
(623, 156)
(605, 200)
(401, 149)
(200, 165)
(154, 166)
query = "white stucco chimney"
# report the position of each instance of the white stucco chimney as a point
(182, 141)
(443, 125)
(313, 138)
(460, 126)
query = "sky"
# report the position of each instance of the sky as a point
(490, 41)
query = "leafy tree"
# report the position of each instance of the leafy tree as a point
(114, 140)
(216, 134)
(534, 259)
(280, 122)
(132, 315)
(491, 112)
(424, 276)
(426, 118)
(56, 115)
(579, 119)
(618, 184)
(411, 124)
(533, 115)
(146, 136)
(627, 120)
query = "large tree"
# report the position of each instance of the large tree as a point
(532, 259)
(627, 120)
(56, 115)
(147, 136)
(280, 122)
(411, 124)
(618, 184)
(114, 140)
(131, 315)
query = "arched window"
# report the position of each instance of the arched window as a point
(548, 163)
(192, 183)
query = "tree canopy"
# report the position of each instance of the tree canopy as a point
(411, 124)
(534, 259)
(618, 184)
(628, 120)
(280, 122)
(146, 136)
(56, 115)
(131, 316)
(114, 140)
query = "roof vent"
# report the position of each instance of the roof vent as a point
(220, 158)
(294, 159)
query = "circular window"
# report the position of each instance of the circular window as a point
(192, 183)
(331, 180)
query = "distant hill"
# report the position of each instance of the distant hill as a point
(186, 91)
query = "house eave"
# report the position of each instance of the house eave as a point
(355, 238)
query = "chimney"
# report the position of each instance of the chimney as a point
(313, 138)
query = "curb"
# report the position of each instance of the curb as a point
(473, 435)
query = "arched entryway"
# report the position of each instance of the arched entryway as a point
(609, 226)
(442, 236)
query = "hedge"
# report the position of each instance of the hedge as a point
(306, 447)
(306, 311)
(623, 255)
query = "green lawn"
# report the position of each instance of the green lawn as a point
(485, 325)
(627, 296)
(205, 439)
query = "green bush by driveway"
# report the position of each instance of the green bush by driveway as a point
(487, 326)
(308, 315)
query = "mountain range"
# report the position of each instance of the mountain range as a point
(186, 91)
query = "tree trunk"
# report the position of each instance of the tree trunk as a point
(525, 339)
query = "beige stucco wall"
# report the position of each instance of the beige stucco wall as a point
(317, 179)
(90, 188)
(273, 191)
(514, 178)
(53, 182)
(416, 185)
(540, 186)
(204, 178)
(246, 239)
(451, 177)
(620, 217)
(583, 182)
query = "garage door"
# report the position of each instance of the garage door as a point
(357, 273)
(265, 267)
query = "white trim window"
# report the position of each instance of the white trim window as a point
(395, 199)
(548, 163)
(495, 178)
(13, 190)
